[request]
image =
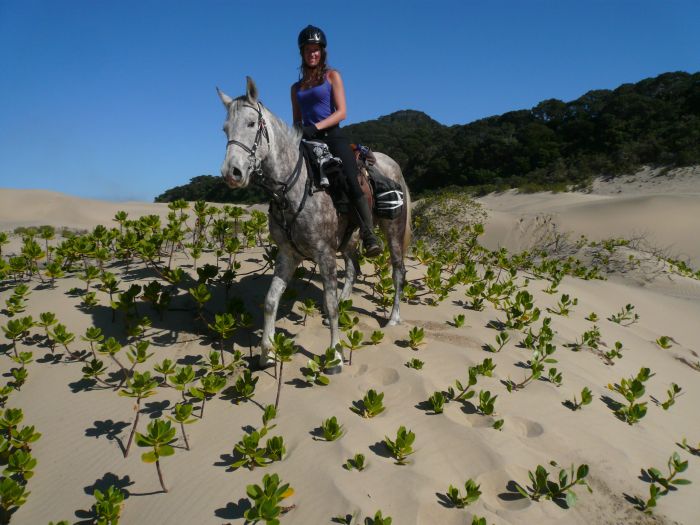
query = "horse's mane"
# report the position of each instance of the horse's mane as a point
(287, 132)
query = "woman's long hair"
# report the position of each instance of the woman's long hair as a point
(309, 77)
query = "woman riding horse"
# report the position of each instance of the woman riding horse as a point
(318, 107)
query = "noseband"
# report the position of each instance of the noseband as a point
(254, 163)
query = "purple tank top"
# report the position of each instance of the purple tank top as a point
(316, 103)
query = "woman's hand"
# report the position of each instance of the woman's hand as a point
(310, 132)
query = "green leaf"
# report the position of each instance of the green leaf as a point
(166, 450)
(681, 482)
(562, 478)
(254, 492)
(251, 514)
(238, 464)
(195, 392)
(149, 457)
(143, 441)
(570, 498)
(655, 473)
(521, 490)
(582, 471)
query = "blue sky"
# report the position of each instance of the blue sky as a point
(117, 100)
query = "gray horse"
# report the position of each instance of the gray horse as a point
(262, 149)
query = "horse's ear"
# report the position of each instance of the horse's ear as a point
(224, 98)
(251, 91)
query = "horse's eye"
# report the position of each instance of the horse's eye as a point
(251, 124)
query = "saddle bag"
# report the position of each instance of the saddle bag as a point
(388, 195)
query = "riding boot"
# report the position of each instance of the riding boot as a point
(373, 246)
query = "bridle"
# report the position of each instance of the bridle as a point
(254, 163)
(276, 190)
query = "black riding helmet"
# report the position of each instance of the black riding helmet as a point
(311, 35)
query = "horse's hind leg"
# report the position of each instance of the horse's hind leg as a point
(327, 269)
(398, 273)
(284, 269)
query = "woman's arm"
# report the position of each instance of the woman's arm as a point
(296, 110)
(338, 99)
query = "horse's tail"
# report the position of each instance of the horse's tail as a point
(406, 219)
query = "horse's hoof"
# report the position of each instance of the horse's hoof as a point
(394, 322)
(265, 362)
(334, 370)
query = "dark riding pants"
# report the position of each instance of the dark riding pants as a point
(339, 146)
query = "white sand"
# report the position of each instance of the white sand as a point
(664, 210)
(73, 454)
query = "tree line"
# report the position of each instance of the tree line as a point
(552, 146)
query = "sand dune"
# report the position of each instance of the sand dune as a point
(84, 429)
(38, 207)
(665, 221)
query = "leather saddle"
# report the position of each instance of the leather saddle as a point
(384, 195)
(326, 174)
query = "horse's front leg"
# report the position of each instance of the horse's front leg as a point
(327, 269)
(352, 269)
(285, 264)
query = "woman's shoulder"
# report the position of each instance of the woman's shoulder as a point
(333, 77)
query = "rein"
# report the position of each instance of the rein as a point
(277, 191)
(279, 199)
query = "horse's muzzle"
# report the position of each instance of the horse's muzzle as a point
(233, 178)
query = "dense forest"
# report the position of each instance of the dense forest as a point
(554, 145)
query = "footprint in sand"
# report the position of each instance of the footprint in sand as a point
(429, 514)
(437, 331)
(384, 376)
(467, 418)
(524, 427)
(498, 491)
(379, 378)
(477, 421)
(360, 371)
(515, 425)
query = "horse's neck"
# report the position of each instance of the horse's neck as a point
(284, 155)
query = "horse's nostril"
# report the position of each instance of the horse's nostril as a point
(232, 176)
